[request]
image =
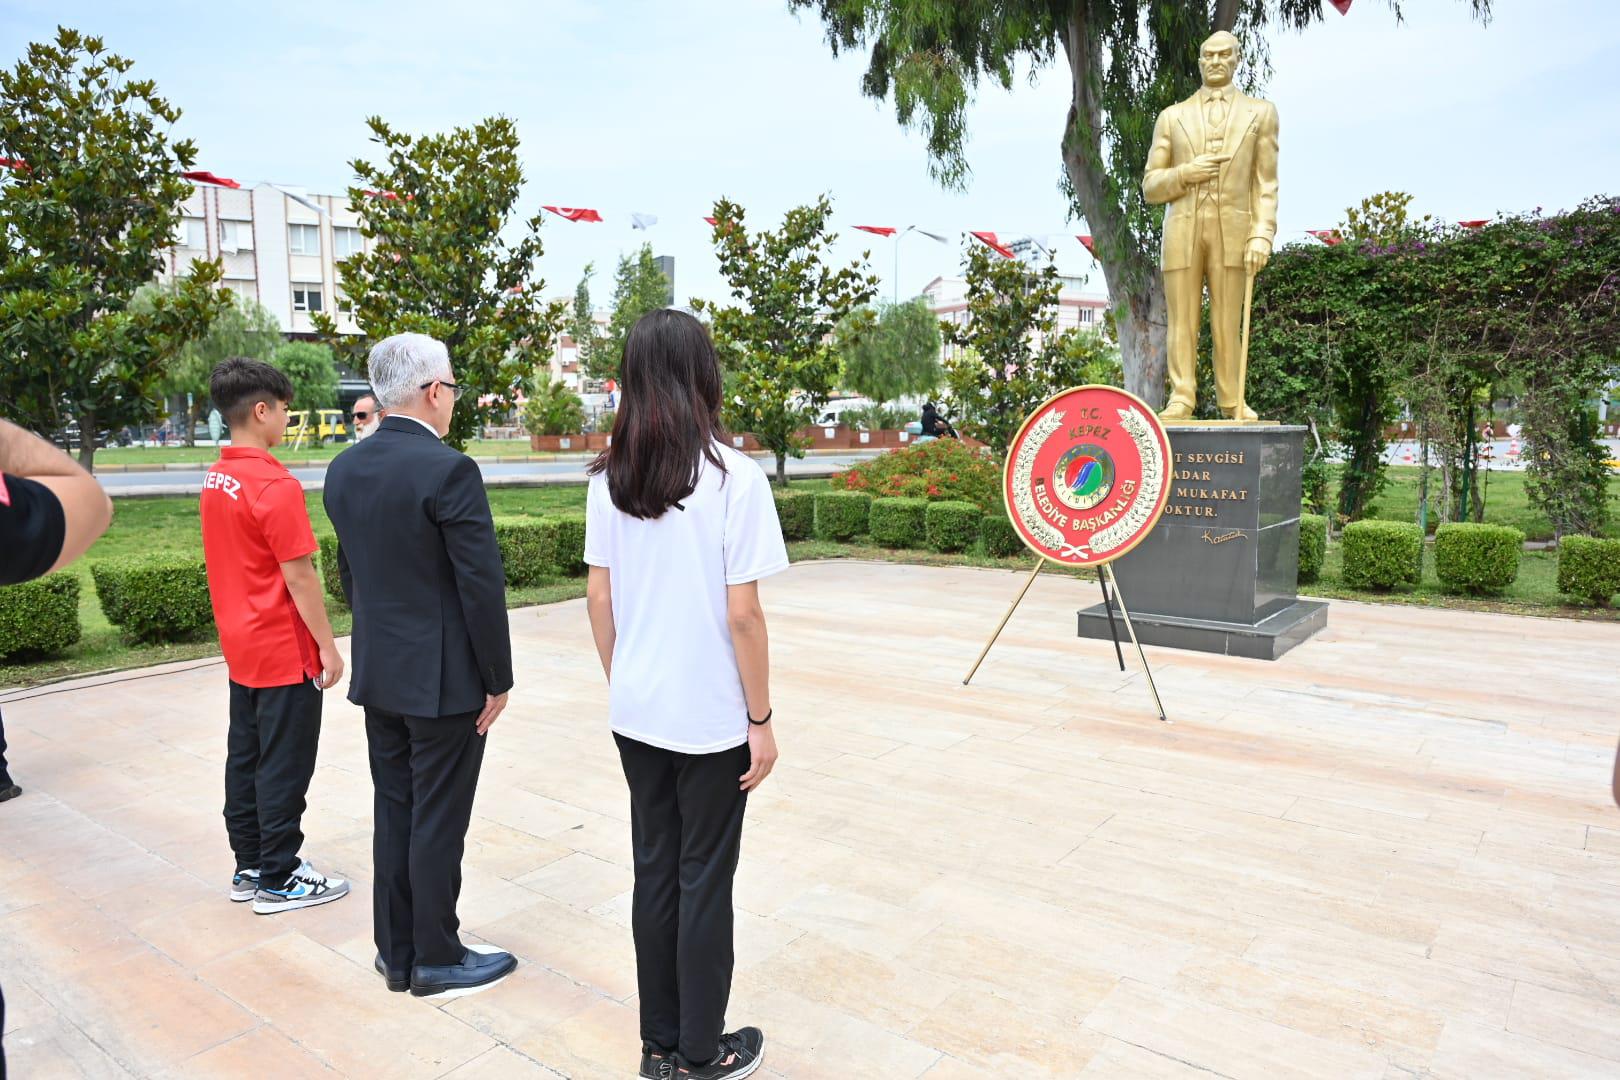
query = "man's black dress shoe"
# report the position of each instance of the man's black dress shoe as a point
(475, 969)
(398, 981)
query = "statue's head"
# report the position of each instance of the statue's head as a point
(1218, 58)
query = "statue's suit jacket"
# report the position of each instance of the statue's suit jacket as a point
(1247, 183)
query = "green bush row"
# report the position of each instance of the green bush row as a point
(796, 510)
(1313, 533)
(899, 522)
(1589, 569)
(155, 598)
(1475, 557)
(39, 617)
(1382, 554)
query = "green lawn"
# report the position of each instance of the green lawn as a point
(206, 455)
(170, 524)
(1505, 501)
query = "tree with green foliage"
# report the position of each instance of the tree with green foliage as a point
(313, 372)
(582, 322)
(1127, 59)
(552, 408)
(1011, 355)
(89, 200)
(243, 327)
(639, 286)
(774, 343)
(441, 262)
(890, 351)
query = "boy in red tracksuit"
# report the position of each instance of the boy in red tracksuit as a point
(276, 639)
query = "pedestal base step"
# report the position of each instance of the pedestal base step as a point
(1266, 640)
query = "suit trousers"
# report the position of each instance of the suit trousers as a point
(5, 777)
(274, 734)
(686, 816)
(1184, 295)
(425, 772)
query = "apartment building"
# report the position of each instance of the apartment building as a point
(277, 245)
(1077, 307)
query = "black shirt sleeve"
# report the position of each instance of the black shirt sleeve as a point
(32, 528)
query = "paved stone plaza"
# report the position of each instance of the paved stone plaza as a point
(1389, 854)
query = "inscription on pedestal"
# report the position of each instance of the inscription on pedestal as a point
(1204, 480)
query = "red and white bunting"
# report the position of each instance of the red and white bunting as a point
(203, 176)
(574, 213)
(988, 239)
(880, 230)
(1330, 237)
(1475, 223)
(1342, 5)
(1087, 243)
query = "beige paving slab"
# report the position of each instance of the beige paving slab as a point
(1385, 855)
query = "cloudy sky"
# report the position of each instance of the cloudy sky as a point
(660, 107)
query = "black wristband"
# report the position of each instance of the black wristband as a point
(761, 723)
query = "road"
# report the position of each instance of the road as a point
(514, 474)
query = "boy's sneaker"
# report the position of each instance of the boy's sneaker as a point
(740, 1054)
(305, 888)
(655, 1064)
(244, 885)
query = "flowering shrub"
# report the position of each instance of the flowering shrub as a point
(940, 470)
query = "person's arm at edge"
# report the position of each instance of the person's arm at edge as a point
(599, 606)
(86, 509)
(751, 642)
(305, 586)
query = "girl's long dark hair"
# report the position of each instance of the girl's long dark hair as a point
(669, 415)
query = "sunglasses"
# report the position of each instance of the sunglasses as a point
(359, 415)
(448, 385)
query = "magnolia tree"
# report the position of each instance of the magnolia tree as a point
(776, 340)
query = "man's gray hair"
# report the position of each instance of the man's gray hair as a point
(400, 364)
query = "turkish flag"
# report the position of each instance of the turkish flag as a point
(1476, 223)
(1085, 242)
(881, 230)
(1342, 5)
(1327, 236)
(203, 177)
(989, 240)
(574, 213)
(711, 221)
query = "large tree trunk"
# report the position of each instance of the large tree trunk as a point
(1134, 284)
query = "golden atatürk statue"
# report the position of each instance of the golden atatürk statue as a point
(1214, 161)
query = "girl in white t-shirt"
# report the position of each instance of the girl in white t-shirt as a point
(679, 528)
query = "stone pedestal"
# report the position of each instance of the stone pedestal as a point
(1218, 572)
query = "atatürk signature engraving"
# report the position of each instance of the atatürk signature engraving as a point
(1223, 538)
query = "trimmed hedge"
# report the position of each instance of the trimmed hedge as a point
(330, 577)
(525, 549)
(1474, 557)
(1382, 554)
(953, 526)
(564, 537)
(898, 523)
(39, 617)
(796, 510)
(1001, 539)
(1313, 533)
(156, 598)
(842, 515)
(1589, 568)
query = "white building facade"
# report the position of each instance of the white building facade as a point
(277, 246)
(1077, 307)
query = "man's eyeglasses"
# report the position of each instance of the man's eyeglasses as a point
(361, 415)
(448, 385)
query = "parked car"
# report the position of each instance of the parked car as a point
(69, 437)
(325, 427)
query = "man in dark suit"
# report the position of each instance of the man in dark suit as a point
(431, 658)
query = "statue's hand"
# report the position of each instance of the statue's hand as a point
(1203, 169)
(1256, 257)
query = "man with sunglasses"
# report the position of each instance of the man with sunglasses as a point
(430, 661)
(367, 415)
